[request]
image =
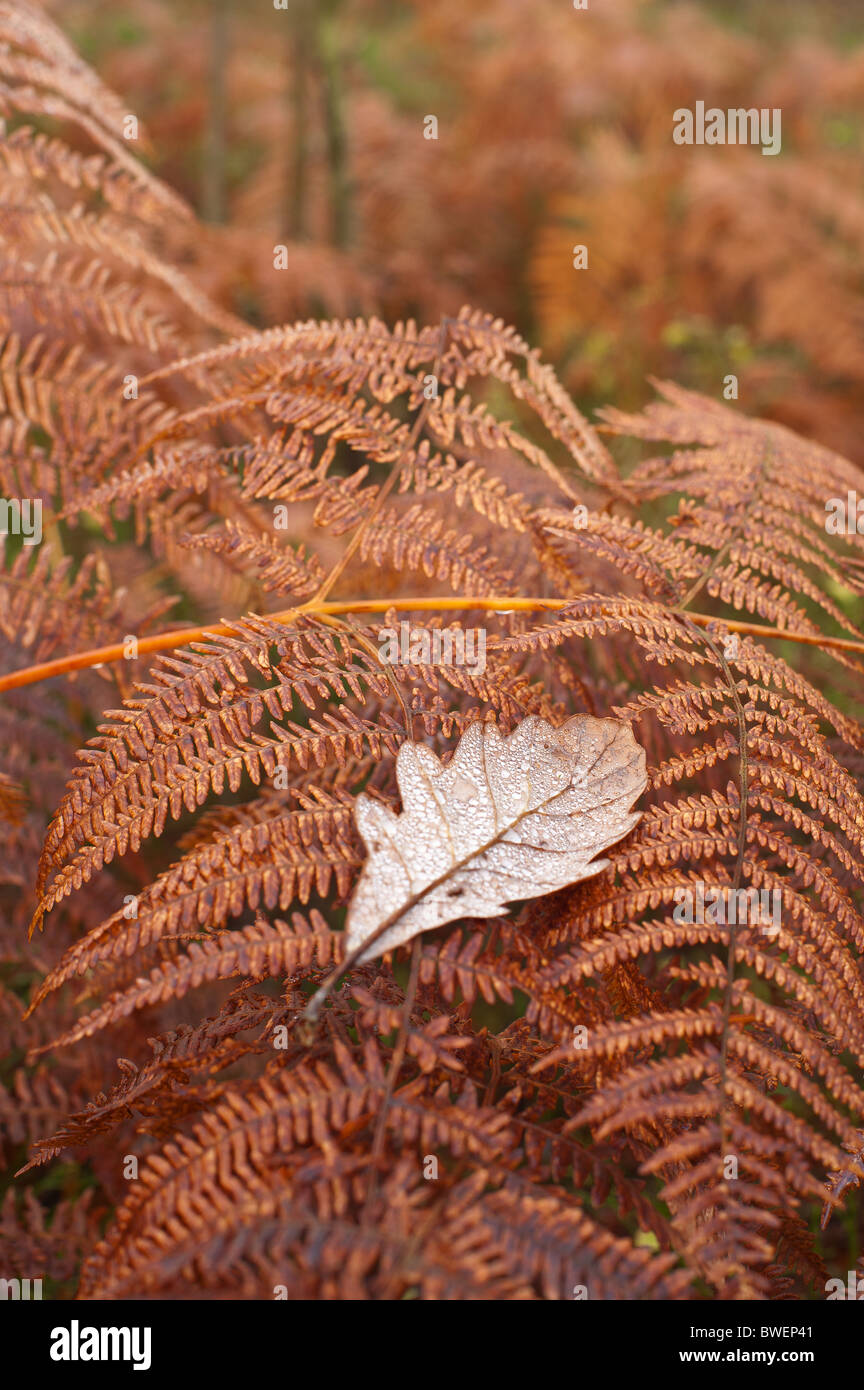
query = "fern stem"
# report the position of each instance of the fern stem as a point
(181, 637)
(737, 877)
(392, 478)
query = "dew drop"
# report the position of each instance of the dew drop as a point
(463, 790)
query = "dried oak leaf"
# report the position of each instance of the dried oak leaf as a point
(506, 819)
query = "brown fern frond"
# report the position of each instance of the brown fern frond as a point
(279, 568)
(640, 1086)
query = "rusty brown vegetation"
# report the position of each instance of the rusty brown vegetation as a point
(508, 1107)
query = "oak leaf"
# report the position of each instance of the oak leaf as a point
(508, 818)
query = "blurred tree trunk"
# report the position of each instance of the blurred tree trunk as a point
(302, 47)
(334, 124)
(215, 145)
(314, 58)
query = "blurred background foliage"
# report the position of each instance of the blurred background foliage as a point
(304, 127)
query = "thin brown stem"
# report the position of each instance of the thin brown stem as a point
(392, 479)
(396, 1060)
(182, 637)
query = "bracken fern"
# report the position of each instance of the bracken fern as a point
(609, 1097)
